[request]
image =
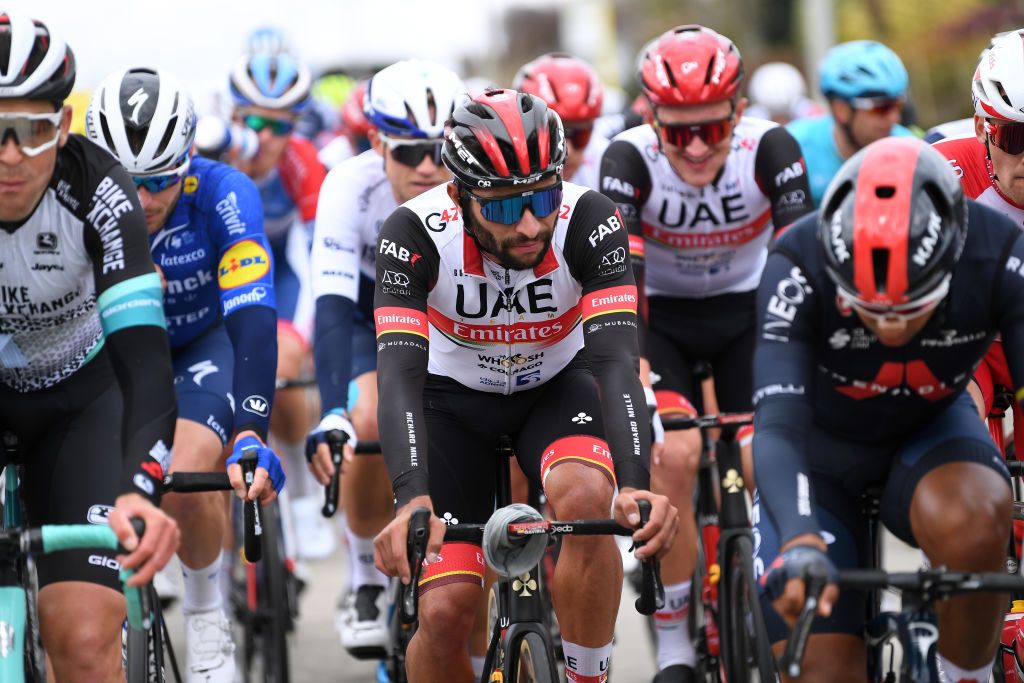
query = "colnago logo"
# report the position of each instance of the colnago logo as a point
(928, 241)
(795, 170)
(835, 231)
(228, 211)
(253, 296)
(256, 405)
(602, 231)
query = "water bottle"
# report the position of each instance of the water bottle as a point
(1012, 639)
(215, 139)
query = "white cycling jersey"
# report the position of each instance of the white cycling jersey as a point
(589, 173)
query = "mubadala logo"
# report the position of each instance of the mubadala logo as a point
(257, 405)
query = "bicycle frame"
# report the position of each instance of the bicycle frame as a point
(13, 597)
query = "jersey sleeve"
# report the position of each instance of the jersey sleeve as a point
(337, 245)
(596, 249)
(781, 174)
(1009, 303)
(787, 321)
(400, 313)
(626, 180)
(245, 276)
(302, 175)
(130, 303)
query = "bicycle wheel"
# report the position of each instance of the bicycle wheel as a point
(702, 623)
(272, 598)
(35, 657)
(532, 663)
(144, 661)
(746, 649)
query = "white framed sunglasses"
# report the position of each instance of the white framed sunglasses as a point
(898, 312)
(33, 133)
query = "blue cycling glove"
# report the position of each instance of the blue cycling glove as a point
(800, 561)
(265, 458)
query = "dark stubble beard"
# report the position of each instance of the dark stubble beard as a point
(501, 251)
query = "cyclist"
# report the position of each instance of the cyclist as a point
(85, 374)
(270, 91)
(871, 316)
(407, 105)
(701, 189)
(778, 92)
(219, 306)
(355, 129)
(458, 303)
(572, 89)
(865, 84)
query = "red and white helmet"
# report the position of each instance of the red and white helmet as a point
(568, 84)
(690, 65)
(998, 87)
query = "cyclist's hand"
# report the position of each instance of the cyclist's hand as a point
(390, 550)
(159, 542)
(660, 530)
(802, 557)
(318, 453)
(268, 466)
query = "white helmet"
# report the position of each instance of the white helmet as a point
(778, 87)
(34, 63)
(998, 87)
(399, 98)
(145, 119)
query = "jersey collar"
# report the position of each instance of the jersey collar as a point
(473, 260)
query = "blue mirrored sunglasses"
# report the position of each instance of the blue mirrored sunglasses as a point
(156, 183)
(509, 210)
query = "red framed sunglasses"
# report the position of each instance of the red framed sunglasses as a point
(682, 134)
(1008, 136)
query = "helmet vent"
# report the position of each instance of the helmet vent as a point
(166, 139)
(885, 191)
(671, 77)
(707, 74)
(526, 104)
(880, 263)
(479, 110)
(1003, 95)
(108, 139)
(431, 106)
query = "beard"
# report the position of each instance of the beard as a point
(501, 250)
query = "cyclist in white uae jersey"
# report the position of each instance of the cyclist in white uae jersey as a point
(507, 262)
(407, 104)
(701, 189)
(85, 375)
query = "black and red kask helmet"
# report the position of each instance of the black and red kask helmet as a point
(35, 64)
(892, 223)
(502, 138)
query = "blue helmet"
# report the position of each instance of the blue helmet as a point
(277, 81)
(862, 68)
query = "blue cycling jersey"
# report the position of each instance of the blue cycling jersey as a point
(217, 265)
(821, 156)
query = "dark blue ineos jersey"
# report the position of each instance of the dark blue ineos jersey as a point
(815, 364)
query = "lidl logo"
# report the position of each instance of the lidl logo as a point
(191, 184)
(243, 263)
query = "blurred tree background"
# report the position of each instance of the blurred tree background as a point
(938, 40)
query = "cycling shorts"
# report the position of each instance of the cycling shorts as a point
(557, 422)
(292, 289)
(203, 374)
(69, 441)
(718, 330)
(841, 472)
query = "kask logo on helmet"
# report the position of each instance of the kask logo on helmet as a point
(243, 263)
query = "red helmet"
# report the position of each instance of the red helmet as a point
(502, 138)
(892, 222)
(352, 116)
(690, 65)
(569, 85)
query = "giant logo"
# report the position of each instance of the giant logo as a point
(243, 263)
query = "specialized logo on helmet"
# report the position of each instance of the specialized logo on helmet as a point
(927, 247)
(137, 99)
(243, 263)
(839, 249)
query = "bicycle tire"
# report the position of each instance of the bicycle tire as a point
(400, 635)
(272, 599)
(144, 663)
(35, 657)
(746, 649)
(707, 668)
(532, 663)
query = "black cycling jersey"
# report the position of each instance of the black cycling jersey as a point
(504, 331)
(77, 280)
(818, 366)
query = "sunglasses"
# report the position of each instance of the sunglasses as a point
(1008, 137)
(878, 105)
(276, 126)
(411, 153)
(682, 134)
(33, 133)
(898, 313)
(158, 183)
(579, 136)
(509, 210)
